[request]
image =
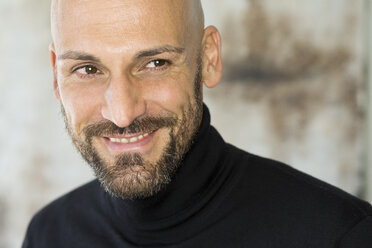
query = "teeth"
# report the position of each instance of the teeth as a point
(131, 140)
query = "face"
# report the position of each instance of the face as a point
(128, 76)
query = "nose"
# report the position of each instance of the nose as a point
(123, 101)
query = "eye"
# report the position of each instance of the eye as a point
(157, 63)
(87, 70)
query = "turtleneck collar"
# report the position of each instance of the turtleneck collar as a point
(185, 194)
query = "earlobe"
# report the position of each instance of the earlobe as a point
(53, 61)
(212, 62)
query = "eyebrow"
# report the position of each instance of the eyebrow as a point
(159, 50)
(76, 55)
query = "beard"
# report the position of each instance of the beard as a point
(129, 175)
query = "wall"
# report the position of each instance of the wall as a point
(293, 90)
(368, 47)
(295, 85)
(37, 161)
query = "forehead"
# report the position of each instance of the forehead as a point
(118, 24)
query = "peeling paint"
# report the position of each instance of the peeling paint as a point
(309, 90)
(295, 75)
(276, 53)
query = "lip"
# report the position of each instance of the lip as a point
(138, 145)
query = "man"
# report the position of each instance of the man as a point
(129, 77)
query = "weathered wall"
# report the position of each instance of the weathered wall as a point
(368, 142)
(294, 85)
(293, 90)
(37, 162)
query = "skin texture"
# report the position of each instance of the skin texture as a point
(124, 69)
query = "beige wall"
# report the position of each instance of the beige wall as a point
(368, 45)
(294, 85)
(293, 90)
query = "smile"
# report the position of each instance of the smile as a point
(130, 140)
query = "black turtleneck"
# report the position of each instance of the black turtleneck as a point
(220, 197)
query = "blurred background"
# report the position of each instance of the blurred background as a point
(296, 88)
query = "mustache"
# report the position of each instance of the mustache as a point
(139, 125)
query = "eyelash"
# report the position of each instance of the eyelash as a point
(86, 75)
(163, 67)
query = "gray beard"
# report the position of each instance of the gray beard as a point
(133, 178)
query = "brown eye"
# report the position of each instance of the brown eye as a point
(90, 69)
(157, 63)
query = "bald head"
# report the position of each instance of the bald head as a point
(69, 15)
(117, 33)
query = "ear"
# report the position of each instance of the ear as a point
(211, 54)
(53, 60)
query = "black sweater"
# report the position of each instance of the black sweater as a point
(220, 197)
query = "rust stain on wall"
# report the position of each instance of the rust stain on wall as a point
(295, 75)
(276, 53)
(301, 81)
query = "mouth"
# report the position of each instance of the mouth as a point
(129, 140)
(138, 142)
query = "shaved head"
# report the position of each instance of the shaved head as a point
(190, 13)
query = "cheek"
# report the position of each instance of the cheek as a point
(81, 106)
(172, 94)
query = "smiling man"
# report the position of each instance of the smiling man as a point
(129, 77)
(131, 92)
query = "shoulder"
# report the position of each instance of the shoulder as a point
(68, 203)
(279, 176)
(295, 202)
(54, 220)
